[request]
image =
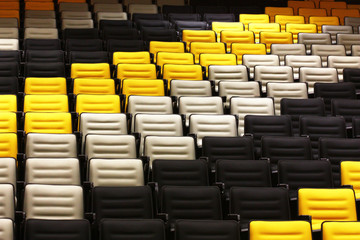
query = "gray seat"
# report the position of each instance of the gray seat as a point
(287, 49)
(314, 38)
(327, 50)
(334, 30)
(296, 62)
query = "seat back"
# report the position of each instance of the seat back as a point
(312, 75)
(48, 123)
(247, 48)
(297, 28)
(296, 62)
(251, 61)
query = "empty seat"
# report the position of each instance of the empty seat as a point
(228, 37)
(90, 45)
(251, 61)
(285, 19)
(42, 44)
(136, 71)
(231, 89)
(270, 38)
(39, 23)
(270, 74)
(40, 14)
(73, 6)
(48, 123)
(7, 228)
(90, 70)
(9, 33)
(317, 75)
(115, 45)
(253, 18)
(107, 7)
(39, 6)
(173, 58)
(351, 75)
(9, 44)
(45, 86)
(241, 49)
(44, 56)
(156, 46)
(334, 30)
(296, 61)
(272, 11)
(167, 35)
(314, 38)
(8, 201)
(180, 88)
(173, 17)
(263, 27)
(46, 103)
(198, 48)
(207, 59)
(287, 49)
(75, 15)
(189, 25)
(354, 22)
(41, 33)
(39, 69)
(132, 57)
(142, 8)
(182, 72)
(189, 36)
(327, 50)
(176, 9)
(347, 40)
(218, 17)
(83, 33)
(218, 27)
(308, 12)
(10, 143)
(143, 24)
(97, 103)
(88, 57)
(143, 87)
(120, 33)
(348, 108)
(9, 22)
(349, 175)
(340, 230)
(9, 85)
(9, 125)
(329, 5)
(297, 29)
(320, 21)
(219, 73)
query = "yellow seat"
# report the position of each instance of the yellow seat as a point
(46, 103)
(269, 38)
(245, 48)
(330, 5)
(307, 12)
(8, 122)
(341, 13)
(90, 70)
(253, 18)
(283, 20)
(174, 47)
(296, 28)
(350, 175)
(207, 59)
(272, 11)
(10, 14)
(39, 6)
(197, 48)
(319, 21)
(38, 122)
(9, 5)
(327, 205)
(263, 27)
(8, 103)
(271, 230)
(182, 72)
(143, 88)
(340, 230)
(189, 36)
(90, 103)
(93, 86)
(56, 85)
(136, 71)
(174, 58)
(131, 57)
(300, 4)
(229, 37)
(221, 26)
(8, 145)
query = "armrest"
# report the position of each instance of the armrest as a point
(221, 185)
(90, 216)
(233, 216)
(283, 185)
(304, 218)
(162, 216)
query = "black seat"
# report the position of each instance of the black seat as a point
(132, 229)
(229, 148)
(259, 126)
(44, 56)
(157, 24)
(173, 17)
(210, 9)
(329, 91)
(120, 33)
(190, 25)
(249, 9)
(9, 85)
(352, 75)
(115, 23)
(40, 69)
(304, 174)
(285, 148)
(42, 44)
(297, 107)
(244, 173)
(85, 33)
(356, 127)
(115, 45)
(337, 150)
(10, 56)
(89, 57)
(166, 35)
(9, 69)
(88, 45)
(316, 127)
(146, 16)
(168, 9)
(219, 17)
(39, 229)
(348, 108)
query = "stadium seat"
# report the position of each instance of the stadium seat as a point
(327, 50)
(347, 40)
(136, 71)
(93, 86)
(180, 88)
(308, 12)
(97, 103)
(312, 75)
(189, 36)
(297, 61)
(320, 21)
(47, 123)
(231, 89)
(253, 18)
(351, 75)
(285, 19)
(131, 57)
(287, 49)
(269, 38)
(219, 73)
(251, 60)
(263, 27)
(297, 28)
(335, 29)
(340, 230)
(241, 49)
(198, 48)
(267, 74)
(272, 11)
(90, 70)
(207, 59)
(228, 37)
(303, 4)
(187, 72)
(46, 103)
(40, 69)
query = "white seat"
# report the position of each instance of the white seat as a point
(8, 171)
(355, 50)
(296, 62)
(41, 33)
(341, 62)
(265, 74)
(287, 49)
(311, 76)
(227, 73)
(9, 44)
(230, 89)
(327, 50)
(348, 40)
(188, 88)
(111, 16)
(251, 61)
(7, 229)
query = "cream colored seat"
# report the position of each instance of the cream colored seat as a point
(230, 89)
(311, 76)
(327, 50)
(341, 62)
(287, 49)
(296, 62)
(251, 61)
(188, 88)
(265, 74)
(227, 73)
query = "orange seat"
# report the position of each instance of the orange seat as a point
(307, 12)
(341, 13)
(9, 5)
(72, 1)
(39, 6)
(317, 2)
(329, 5)
(272, 11)
(10, 14)
(300, 4)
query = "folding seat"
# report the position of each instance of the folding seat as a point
(163, 58)
(115, 45)
(219, 73)
(287, 49)
(218, 27)
(161, 3)
(355, 50)
(180, 88)
(75, 15)
(212, 125)
(166, 35)
(142, 8)
(249, 173)
(90, 70)
(327, 50)
(309, 39)
(351, 75)
(78, 229)
(173, 17)
(97, 103)
(290, 229)
(189, 36)
(39, 69)
(133, 57)
(330, 5)
(46, 103)
(349, 176)
(76, 23)
(245, 201)
(253, 18)
(42, 44)
(41, 33)
(142, 24)
(339, 230)
(136, 71)
(341, 62)
(176, 9)
(182, 72)
(70, 198)
(191, 202)
(147, 16)
(39, 23)
(250, 61)
(303, 4)
(8, 201)
(7, 228)
(346, 108)
(297, 61)
(296, 29)
(9, 22)
(38, 122)
(92, 2)
(9, 85)
(317, 127)
(241, 49)
(39, 6)
(190, 25)
(86, 33)
(320, 21)
(198, 48)
(242, 106)
(9, 33)
(88, 57)
(269, 38)
(93, 86)
(228, 37)
(9, 44)
(9, 6)
(105, 23)
(354, 22)
(308, 12)
(347, 40)
(90, 45)
(340, 205)
(317, 75)
(73, 6)
(8, 122)
(285, 19)
(218, 17)
(44, 56)
(122, 203)
(266, 74)
(334, 30)
(174, 47)
(45, 86)
(200, 105)
(107, 7)
(40, 14)
(10, 56)
(263, 27)
(207, 59)
(101, 16)
(10, 150)
(9, 69)
(231, 89)
(272, 11)
(208, 9)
